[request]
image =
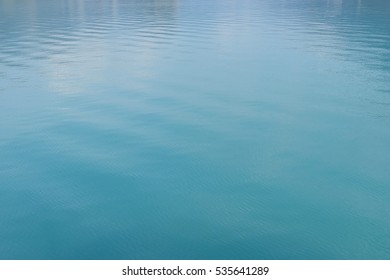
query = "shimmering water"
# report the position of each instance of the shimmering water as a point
(195, 129)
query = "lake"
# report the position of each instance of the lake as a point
(195, 129)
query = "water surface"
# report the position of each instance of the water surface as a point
(195, 129)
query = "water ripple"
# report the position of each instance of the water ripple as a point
(194, 129)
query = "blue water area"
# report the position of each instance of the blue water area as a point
(195, 129)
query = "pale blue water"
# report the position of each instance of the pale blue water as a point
(195, 129)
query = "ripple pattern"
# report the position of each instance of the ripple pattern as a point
(194, 129)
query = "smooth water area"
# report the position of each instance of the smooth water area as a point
(195, 129)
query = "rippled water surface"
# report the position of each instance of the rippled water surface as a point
(195, 129)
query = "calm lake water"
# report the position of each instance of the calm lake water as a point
(195, 129)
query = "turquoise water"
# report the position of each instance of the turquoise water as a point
(195, 129)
